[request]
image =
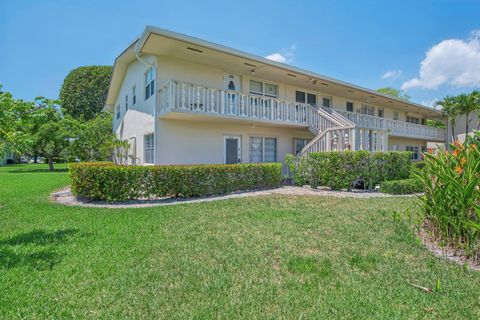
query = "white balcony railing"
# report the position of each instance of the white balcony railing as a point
(395, 127)
(184, 97)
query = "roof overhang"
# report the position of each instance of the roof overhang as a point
(161, 42)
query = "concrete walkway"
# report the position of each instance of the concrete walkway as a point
(66, 197)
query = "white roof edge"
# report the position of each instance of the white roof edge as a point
(207, 44)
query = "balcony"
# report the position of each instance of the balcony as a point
(196, 100)
(395, 127)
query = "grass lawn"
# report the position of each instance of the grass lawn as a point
(264, 257)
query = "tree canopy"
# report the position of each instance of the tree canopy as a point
(394, 93)
(84, 91)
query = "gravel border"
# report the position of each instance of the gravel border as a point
(65, 197)
(451, 254)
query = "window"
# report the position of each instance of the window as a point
(271, 90)
(305, 97)
(326, 102)
(134, 96)
(256, 87)
(149, 147)
(366, 109)
(149, 83)
(126, 103)
(263, 88)
(300, 96)
(413, 120)
(349, 106)
(263, 149)
(298, 145)
(118, 112)
(395, 115)
(380, 113)
(415, 152)
(312, 99)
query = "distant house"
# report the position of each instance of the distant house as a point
(8, 157)
(182, 100)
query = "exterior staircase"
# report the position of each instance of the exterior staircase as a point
(333, 132)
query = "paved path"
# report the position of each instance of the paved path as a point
(66, 197)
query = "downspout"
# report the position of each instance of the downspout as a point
(137, 55)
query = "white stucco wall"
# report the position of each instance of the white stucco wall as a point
(190, 142)
(138, 120)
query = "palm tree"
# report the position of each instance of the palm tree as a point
(476, 99)
(466, 105)
(450, 109)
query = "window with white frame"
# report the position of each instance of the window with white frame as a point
(380, 113)
(149, 83)
(263, 88)
(415, 150)
(306, 97)
(327, 102)
(126, 102)
(366, 109)
(349, 106)
(395, 115)
(263, 149)
(134, 95)
(413, 120)
(298, 145)
(149, 147)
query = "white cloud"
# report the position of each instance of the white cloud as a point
(430, 103)
(277, 57)
(284, 56)
(391, 75)
(454, 62)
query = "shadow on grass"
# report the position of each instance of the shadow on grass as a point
(17, 251)
(39, 170)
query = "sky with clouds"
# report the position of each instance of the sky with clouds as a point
(428, 48)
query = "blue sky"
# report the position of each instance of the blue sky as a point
(371, 44)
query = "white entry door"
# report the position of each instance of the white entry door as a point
(232, 147)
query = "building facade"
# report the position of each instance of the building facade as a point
(182, 100)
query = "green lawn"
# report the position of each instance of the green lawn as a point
(265, 257)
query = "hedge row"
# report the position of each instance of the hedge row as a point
(403, 186)
(342, 169)
(110, 182)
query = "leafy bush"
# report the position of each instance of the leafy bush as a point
(107, 181)
(403, 186)
(340, 170)
(451, 203)
(84, 91)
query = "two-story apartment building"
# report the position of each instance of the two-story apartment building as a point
(181, 100)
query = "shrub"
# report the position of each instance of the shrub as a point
(107, 181)
(451, 203)
(339, 170)
(403, 186)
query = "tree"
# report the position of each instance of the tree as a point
(84, 91)
(466, 105)
(55, 134)
(16, 116)
(450, 109)
(394, 93)
(476, 98)
(92, 137)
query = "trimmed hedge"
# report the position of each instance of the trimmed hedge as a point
(404, 186)
(341, 169)
(110, 182)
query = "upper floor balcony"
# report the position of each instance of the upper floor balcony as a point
(396, 127)
(186, 100)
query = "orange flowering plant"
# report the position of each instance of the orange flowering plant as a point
(451, 203)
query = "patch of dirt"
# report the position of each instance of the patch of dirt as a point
(450, 253)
